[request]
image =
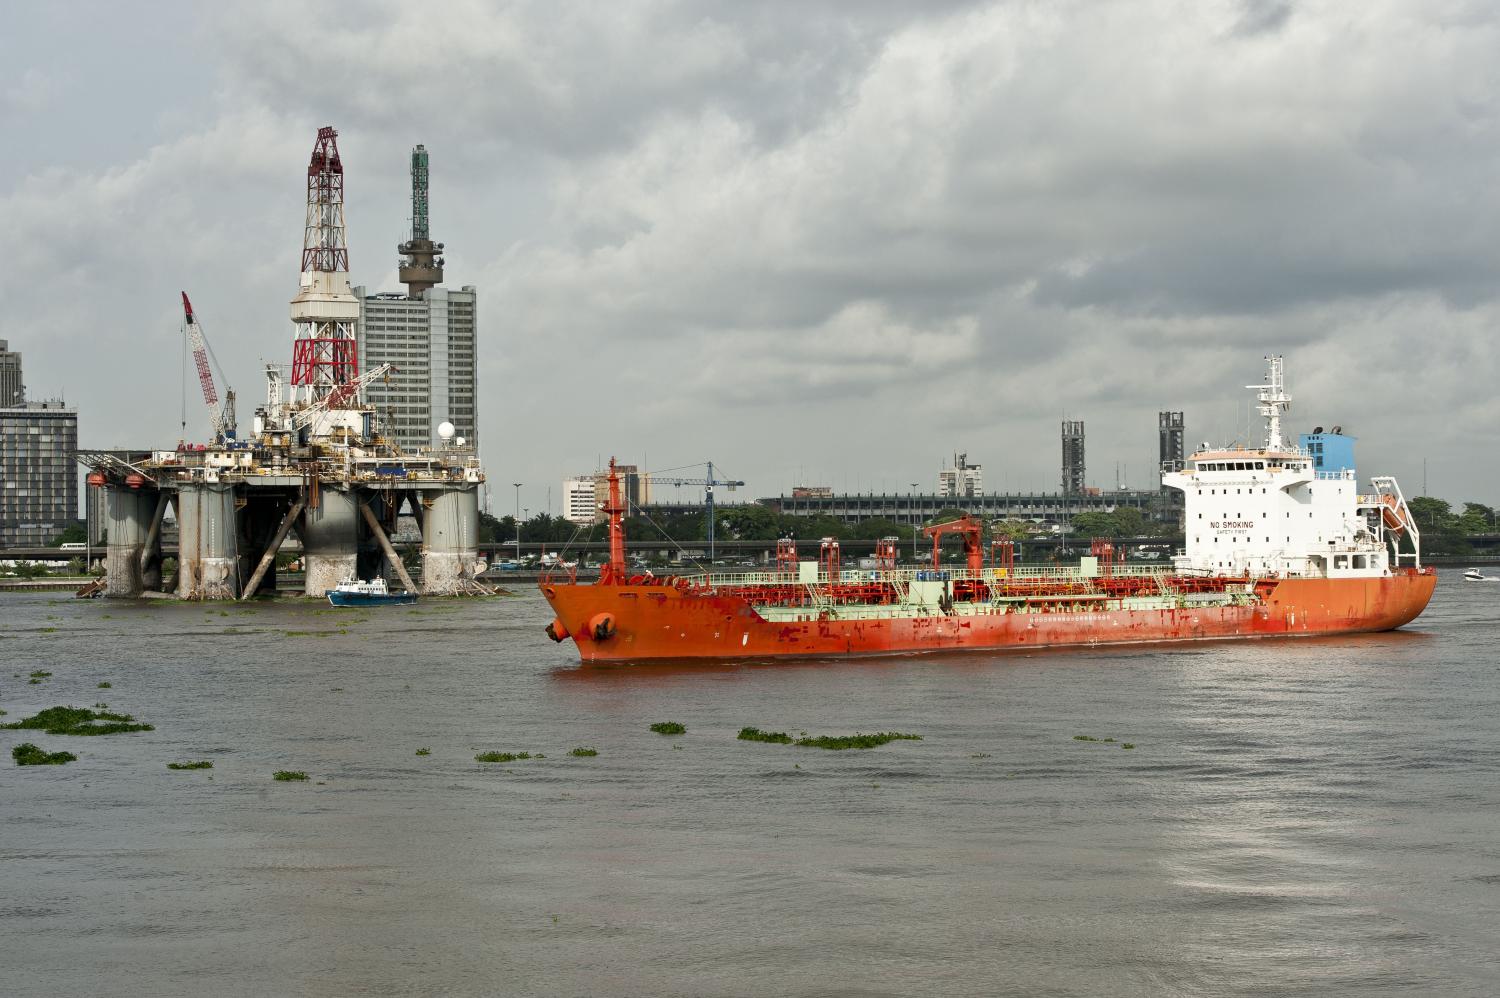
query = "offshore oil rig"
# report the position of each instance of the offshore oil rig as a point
(314, 462)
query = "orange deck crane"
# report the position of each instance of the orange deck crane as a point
(967, 527)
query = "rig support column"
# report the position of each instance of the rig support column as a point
(208, 548)
(330, 541)
(450, 542)
(128, 557)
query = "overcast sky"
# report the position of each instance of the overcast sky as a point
(815, 242)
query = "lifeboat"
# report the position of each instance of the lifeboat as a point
(1397, 518)
(135, 480)
(96, 479)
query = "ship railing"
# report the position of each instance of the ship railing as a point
(1334, 476)
(904, 577)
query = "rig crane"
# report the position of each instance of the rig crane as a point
(339, 397)
(222, 420)
(708, 497)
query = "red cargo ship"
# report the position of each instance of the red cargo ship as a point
(1273, 548)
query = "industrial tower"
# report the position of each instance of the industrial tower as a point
(324, 354)
(1072, 457)
(422, 268)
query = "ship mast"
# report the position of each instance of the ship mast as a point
(1273, 401)
(615, 510)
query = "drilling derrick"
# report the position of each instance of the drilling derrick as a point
(423, 267)
(324, 355)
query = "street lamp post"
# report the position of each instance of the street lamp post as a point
(518, 520)
(916, 521)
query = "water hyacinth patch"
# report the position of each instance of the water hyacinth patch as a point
(838, 743)
(501, 756)
(27, 754)
(288, 775)
(200, 764)
(669, 728)
(757, 735)
(584, 752)
(79, 721)
(424, 751)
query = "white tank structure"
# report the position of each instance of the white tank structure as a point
(330, 541)
(450, 542)
(208, 545)
(130, 566)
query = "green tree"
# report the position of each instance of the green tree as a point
(74, 534)
(1477, 519)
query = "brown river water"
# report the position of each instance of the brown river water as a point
(1315, 817)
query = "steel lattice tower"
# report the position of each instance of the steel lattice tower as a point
(324, 355)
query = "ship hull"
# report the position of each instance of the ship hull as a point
(659, 623)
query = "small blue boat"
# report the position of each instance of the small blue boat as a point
(353, 592)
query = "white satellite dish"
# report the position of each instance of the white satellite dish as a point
(459, 442)
(446, 430)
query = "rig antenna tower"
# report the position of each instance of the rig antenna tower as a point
(422, 267)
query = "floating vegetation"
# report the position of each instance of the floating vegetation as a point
(41, 674)
(289, 775)
(584, 752)
(980, 755)
(309, 634)
(80, 721)
(200, 764)
(27, 754)
(1102, 741)
(502, 756)
(424, 751)
(757, 735)
(106, 686)
(49, 630)
(838, 743)
(101, 706)
(669, 728)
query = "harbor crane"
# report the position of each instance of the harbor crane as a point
(708, 496)
(221, 419)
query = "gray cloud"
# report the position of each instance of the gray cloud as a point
(842, 240)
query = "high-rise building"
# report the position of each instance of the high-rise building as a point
(585, 494)
(963, 480)
(1072, 457)
(38, 472)
(1169, 429)
(431, 341)
(579, 503)
(430, 335)
(12, 388)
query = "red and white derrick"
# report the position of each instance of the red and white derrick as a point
(324, 355)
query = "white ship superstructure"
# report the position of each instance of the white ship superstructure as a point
(1257, 512)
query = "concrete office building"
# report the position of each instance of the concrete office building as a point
(12, 388)
(579, 505)
(431, 340)
(962, 480)
(38, 472)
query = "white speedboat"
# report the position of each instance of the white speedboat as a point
(354, 592)
(1475, 575)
